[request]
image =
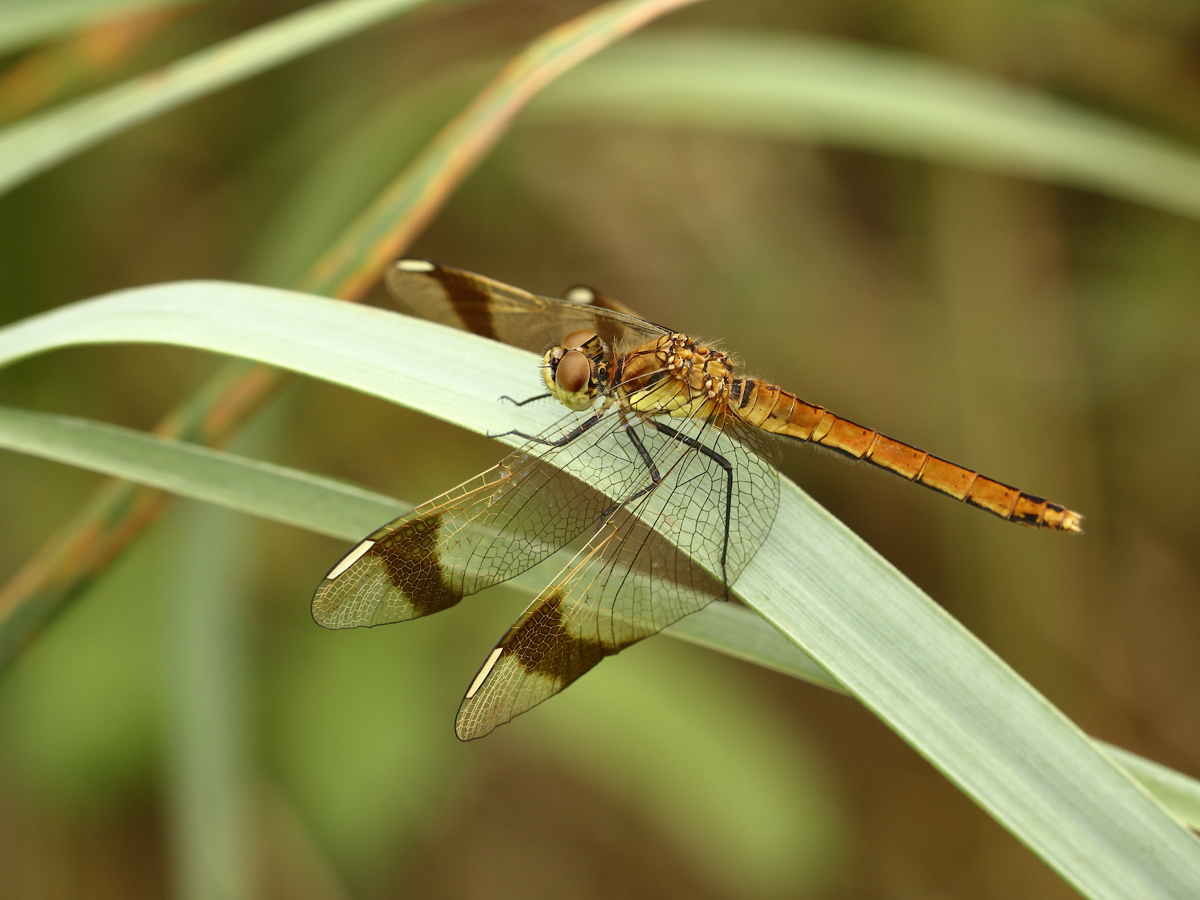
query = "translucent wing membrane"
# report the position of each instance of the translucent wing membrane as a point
(493, 310)
(485, 531)
(715, 498)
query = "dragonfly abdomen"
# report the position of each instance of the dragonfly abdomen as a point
(775, 410)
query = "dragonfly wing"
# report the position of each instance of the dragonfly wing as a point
(510, 315)
(631, 580)
(601, 604)
(482, 532)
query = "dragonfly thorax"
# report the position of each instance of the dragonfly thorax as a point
(572, 369)
(676, 376)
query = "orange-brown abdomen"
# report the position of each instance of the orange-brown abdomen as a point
(775, 410)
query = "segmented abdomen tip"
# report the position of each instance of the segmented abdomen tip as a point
(1072, 522)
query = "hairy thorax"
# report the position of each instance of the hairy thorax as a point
(675, 376)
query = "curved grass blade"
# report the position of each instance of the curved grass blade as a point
(117, 512)
(335, 508)
(321, 505)
(422, 189)
(1174, 790)
(46, 73)
(978, 722)
(38, 142)
(804, 88)
(874, 631)
(25, 24)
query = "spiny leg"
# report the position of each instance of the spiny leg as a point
(571, 435)
(524, 402)
(655, 477)
(728, 467)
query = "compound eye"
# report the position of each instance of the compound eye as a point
(577, 339)
(573, 373)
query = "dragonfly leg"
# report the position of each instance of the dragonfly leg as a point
(523, 402)
(655, 478)
(644, 454)
(724, 464)
(560, 442)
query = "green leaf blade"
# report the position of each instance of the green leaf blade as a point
(875, 632)
(307, 501)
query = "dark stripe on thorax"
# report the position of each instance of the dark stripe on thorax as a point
(616, 374)
(748, 385)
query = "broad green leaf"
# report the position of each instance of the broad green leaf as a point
(337, 509)
(192, 470)
(23, 23)
(819, 89)
(877, 634)
(38, 142)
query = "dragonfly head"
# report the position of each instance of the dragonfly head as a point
(569, 369)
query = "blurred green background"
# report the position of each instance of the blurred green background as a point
(186, 730)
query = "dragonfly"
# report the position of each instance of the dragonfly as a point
(663, 472)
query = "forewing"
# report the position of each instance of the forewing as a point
(482, 532)
(631, 580)
(507, 314)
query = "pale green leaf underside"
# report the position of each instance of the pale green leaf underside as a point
(875, 632)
